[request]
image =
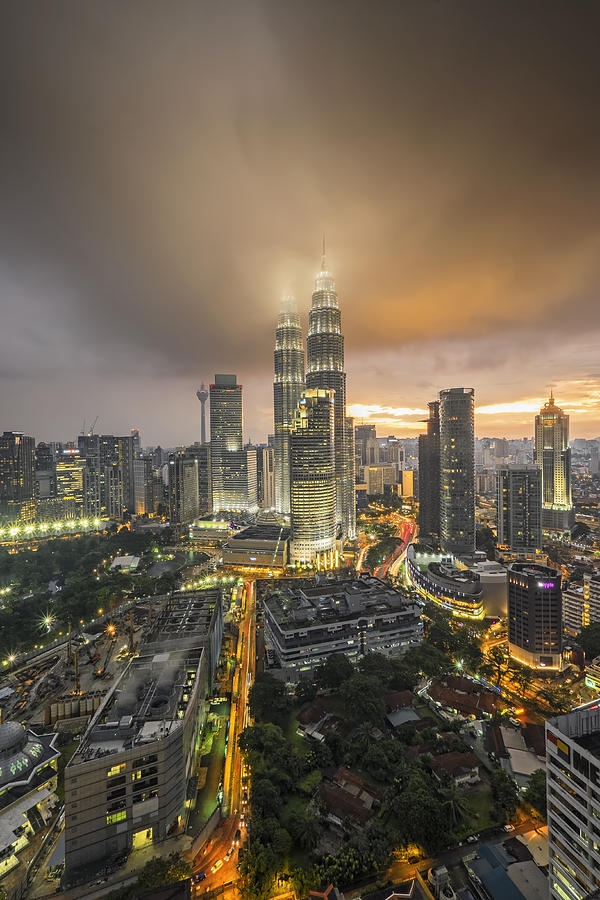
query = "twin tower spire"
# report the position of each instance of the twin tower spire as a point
(324, 370)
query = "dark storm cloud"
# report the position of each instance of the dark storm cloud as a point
(166, 171)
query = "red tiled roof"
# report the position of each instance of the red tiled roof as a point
(494, 742)
(399, 699)
(456, 762)
(313, 712)
(535, 738)
(342, 804)
(471, 704)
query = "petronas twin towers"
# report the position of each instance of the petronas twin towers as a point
(313, 460)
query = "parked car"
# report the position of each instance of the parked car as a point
(508, 828)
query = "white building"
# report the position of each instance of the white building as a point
(573, 768)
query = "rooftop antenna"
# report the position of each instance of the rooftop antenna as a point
(323, 260)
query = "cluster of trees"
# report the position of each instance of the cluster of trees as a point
(535, 794)
(504, 793)
(417, 807)
(278, 772)
(81, 563)
(589, 640)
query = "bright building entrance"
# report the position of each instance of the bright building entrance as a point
(142, 838)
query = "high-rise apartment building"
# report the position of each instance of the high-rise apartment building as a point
(581, 604)
(535, 615)
(201, 453)
(362, 435)
(69, 482)
(553, 455)
(288, 385)
(143, 486)
(325, 371)
(457, 470)
(17, 476)
(429, 473)
(183, 489)
(121, 450)
(313, 477)
(573, 792)
(265, 472)
(233, 468)
(519, 509)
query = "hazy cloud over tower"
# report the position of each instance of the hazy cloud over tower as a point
(156, 205)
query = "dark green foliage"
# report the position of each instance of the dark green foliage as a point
(504, 792)
(88, 584)
(536, 792)
(363, 698)
(158, 871)
(589, 640)
(334, 671)
(485, 540)
(305, 691)
(268, 698)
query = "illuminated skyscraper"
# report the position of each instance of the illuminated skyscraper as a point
(429, 473)
(232, 468)
(183, 489)
(553, 455)
(535, 615)
(69, 482)
(17, 476)
(519, 509)
(325, 370)
(287, 388)
(313, 485)
(457, 470)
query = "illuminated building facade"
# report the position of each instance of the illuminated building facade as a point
(17, 476)
(519, 509)
(130, 782)
(143, 486)
(69, 482)
(325, 370)
(183, 489)
(313, 481)
(535, 615)
(305, 623)
(429, 474)
(28, 782)
(287, 389)
(573, 793)
(233, 468)
(457, 470)
(553, 455)
(362, 435)
(435, 577)
(581, 604)
(201, 453)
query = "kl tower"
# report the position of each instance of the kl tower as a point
(202, 396)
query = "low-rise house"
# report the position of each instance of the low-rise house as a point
(463, 768)
(464, 697)
(349, 796)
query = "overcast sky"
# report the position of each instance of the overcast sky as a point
(167, 170)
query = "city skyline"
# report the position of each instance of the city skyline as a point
(138, 257)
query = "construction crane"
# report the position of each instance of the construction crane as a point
(111, 631)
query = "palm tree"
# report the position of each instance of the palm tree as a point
(496, 659)
(455, 803)
(522, 677)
